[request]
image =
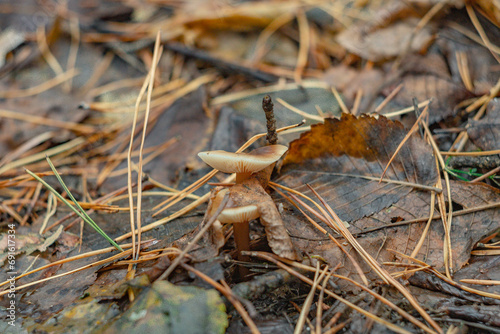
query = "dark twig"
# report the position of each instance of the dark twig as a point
(267, 105)
(223, 65)
(484, 162)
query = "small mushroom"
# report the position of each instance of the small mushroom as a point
(243, 164)
(248, 201)
(239, 216)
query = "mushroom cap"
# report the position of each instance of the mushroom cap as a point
(251, 162)
(240, 214)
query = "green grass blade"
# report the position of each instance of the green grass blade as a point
(89, 220)
(82, 216)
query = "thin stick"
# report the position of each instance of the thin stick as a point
(339, 100)
(448, 280)
(173, 216)
(267, 90)
(307, 303)
(484, 176)
(304, 46)
(388, 98)
(169, 202)
(267, 32)
(471, 154)
(405, 139)
(357, 102)
(45, 51)
(447, 243)
(99, 70)
(319, 313)
(462, 138)
(463, 70)
(321, 229)
(300, 112)
(406, 110)
(26, 146)
(415, 251)
(129, 161)
(20, 116)
(146, 243)
(95, 264)
(480, 30)
(434, 217)
(74, 27)
(472, 36)
(480, 281)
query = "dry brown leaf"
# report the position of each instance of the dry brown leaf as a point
(357, 147)
(362, 146)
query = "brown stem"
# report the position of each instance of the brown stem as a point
(267, 105)
(241, 233)
(240, 177)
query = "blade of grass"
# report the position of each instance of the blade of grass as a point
(83, 215)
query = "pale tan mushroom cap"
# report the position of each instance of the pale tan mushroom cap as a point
(252, 162)
(241, 214)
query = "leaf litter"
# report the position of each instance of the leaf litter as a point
(69, 86)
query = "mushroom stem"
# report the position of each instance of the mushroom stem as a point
(241, 234)
(240, 177)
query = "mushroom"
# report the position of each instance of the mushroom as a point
(239, 216)
(243, 164)
(248, 200)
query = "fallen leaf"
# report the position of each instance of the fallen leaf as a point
(333, 158)
(361, 147)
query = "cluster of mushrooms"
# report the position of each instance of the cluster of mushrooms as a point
(248, 199)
